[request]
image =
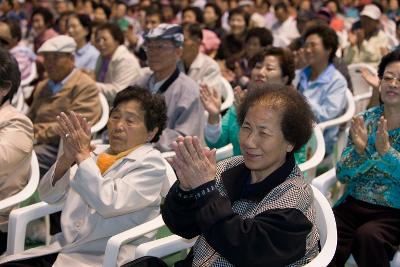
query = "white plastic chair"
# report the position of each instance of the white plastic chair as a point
(317, 146)
(346, 117)
(105, 111)
(226, 94)
(18, 101)
(361, 89)
(325, 221)
(20, 218)
(323, 183)
(28, 190)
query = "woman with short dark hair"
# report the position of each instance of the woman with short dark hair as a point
(368, 214)
(251, 210)
(116, 67)
(106, 190)
(323, 85)
(42, 26)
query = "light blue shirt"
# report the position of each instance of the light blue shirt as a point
(327, 98)
(86, 57)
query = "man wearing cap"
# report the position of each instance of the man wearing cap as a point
(367, 44)
(185, 112)
(66, 89)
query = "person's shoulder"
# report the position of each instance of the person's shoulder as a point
(188, 83)
(13, 115)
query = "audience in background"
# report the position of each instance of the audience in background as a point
(285, 29)
(42, 23)
(16, 140)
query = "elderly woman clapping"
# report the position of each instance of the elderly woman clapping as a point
(109, 190)
(250, 210)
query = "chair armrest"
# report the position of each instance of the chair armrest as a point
(325, 181)
(164, 246)
(364, 96)
(115, 242)
(319, 153)
(20, 218)
(224, 152)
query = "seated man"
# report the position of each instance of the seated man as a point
(108, 191)
(66, 89)
(16, 140)
(185, 111)
(197, 65)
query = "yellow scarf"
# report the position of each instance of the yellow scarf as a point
(105, 160)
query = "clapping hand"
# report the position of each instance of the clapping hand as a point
(359, 134)
(193, 164)
(76, 135)
(382, 143)
(212, 103)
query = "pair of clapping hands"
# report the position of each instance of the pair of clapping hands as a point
(359, 135)
(194, 165)
(74, 130)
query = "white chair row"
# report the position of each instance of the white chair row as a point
(324, 183)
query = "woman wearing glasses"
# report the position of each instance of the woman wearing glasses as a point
(368, 215)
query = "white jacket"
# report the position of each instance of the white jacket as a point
(99, 206)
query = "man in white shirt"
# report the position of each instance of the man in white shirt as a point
(285, 29)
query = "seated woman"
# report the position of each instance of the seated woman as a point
(16, 140)
(271, 65)
(368, 215)
(251, 210)
(108, 191)
(321, 83)
(116, 67)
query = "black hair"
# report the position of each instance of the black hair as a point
(105, 8)
(297, 118)
(281, 5)
(15, 28)
(114, 30)
(46, 14)
(86, 23)
(151, 11)
(217, 11)
(286, 60)
(10, 76)
(153, 105)
(194, 30)
(391, 57)
(263, 34)
(328, 37)
(240, 11)
(197, 12)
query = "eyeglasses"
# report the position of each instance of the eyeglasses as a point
(390, 80)
(4, 42)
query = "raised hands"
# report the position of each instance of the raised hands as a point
(359, 134)
(76, 135)
(212, 103)
(193, 164)
(382, 143)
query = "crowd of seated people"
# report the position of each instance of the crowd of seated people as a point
(162, 66)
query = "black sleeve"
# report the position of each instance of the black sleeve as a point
(179, 212)
(272, 238)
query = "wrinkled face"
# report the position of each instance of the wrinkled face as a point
(126, 127)
(315, 51)
(152, 21)
(38, 24)
(76, 30)
(189, 17)
(237, 24)
(5, 36)
(253, 46)
(106, 43)
(58, 65)
(162, 54)
(262, 143)
(268, 70)
(390, 84)
(210, 16)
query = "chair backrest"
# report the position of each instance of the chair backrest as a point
(226, 94)
(326, 225)
(28, 190)
(316, 147)
(171, 178)
(105, 110)
(362, 91)
(18, 101)
(346, 117)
